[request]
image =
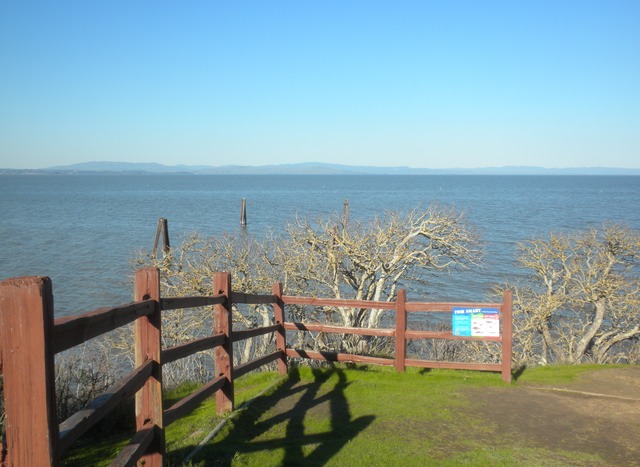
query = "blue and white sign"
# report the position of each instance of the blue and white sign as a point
(476, 322)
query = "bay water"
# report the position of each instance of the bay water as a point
(83, 230)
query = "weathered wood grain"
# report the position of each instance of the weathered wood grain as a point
(223, 354)
(76, 425)
(339, 329)
(238, 336)
(176, 303)
(70, 331)
(148, 338)
(26, 338)
(189, 348)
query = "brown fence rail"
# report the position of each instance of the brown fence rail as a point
(30, 338)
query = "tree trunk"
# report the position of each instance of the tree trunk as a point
(585, 341)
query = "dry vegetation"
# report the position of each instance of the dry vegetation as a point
(580, 302)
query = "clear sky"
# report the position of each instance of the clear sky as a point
(436, 84)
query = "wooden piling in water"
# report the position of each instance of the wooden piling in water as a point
(164, 230)
(345, 212)
(243, 212)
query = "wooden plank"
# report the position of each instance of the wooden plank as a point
(447, 335)
(190, 402)
(507, 335)
(454, 365)
(338, 357)
(26, 335)
(189, 348)
(245, 368)
(74, 330)
(254, 332)
(336, 302)
(176, 303)
(73, 427)
(147, 335)
(445, 307)
(138, 445)
(252, 299)
(339, 329)
(281, 335)
(401, 329)
(223, 354)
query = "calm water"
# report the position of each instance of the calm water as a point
(82, 231)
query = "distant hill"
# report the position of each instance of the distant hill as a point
(151, 167)
(314, 168)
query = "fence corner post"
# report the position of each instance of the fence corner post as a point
(507, 334)
(26, 341)
(223, 354)
(281, 333)
(148, 336)
(401, 329)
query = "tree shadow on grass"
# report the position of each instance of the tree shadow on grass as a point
(295, 414)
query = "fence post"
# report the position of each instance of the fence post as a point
(147, 336)
(401, 328)
(26, 338)
(223, 354)
(281, 333)
(507, 334)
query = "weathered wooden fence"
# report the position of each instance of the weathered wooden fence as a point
(30, 337)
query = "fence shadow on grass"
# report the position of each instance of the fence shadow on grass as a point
(276, 423)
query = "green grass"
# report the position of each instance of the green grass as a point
(100, 447)
(558, 374)
(348, 415)
(373, 416)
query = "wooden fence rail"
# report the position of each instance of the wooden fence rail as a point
(401, 334)
(30, 337)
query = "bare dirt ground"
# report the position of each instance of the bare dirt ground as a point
(599, 414)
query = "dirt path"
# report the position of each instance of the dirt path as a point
(598, 414)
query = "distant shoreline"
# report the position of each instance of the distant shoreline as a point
(130, 168)
(84, 173)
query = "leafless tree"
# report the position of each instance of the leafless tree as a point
(582, 296)
(329, 257)
(369, 261)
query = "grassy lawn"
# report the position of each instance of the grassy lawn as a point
(373, 416)
(347, 415)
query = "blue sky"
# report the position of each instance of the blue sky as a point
(435, 84)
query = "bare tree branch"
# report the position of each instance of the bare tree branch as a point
(583, 294)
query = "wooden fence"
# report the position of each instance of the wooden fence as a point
(30, 337)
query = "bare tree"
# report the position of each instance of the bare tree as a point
(188, 269)
(368, 261)
(582, 296)
(329, 257)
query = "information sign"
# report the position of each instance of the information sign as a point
(476, 322)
